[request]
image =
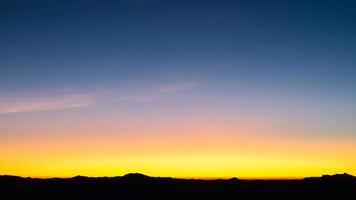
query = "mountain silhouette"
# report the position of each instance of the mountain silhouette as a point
(140, 186)
(336, 177)
(136, 177)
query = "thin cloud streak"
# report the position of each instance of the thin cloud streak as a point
(19, 104)
(33, 104)
(178, 87)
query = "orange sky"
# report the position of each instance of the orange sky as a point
(197, 151)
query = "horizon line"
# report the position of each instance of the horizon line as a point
(180, 177)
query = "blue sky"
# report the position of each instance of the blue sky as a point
(283, 63)
(303, 44)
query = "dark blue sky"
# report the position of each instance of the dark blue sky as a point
(86, 43)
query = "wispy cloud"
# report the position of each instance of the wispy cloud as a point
(178, 87)
(31, 104)
(75, 99)
(135, 98)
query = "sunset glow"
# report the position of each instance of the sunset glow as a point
(177, 88)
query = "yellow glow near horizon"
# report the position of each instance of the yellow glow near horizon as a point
(202, 156)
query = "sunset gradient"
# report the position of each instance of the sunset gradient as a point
(190, 89)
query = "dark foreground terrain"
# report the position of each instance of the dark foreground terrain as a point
(138, 186)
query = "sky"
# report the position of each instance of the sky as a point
(205, 89)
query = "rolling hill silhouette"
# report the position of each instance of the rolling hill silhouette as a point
(139, 186)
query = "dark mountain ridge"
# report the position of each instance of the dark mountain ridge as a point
(138, 186)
